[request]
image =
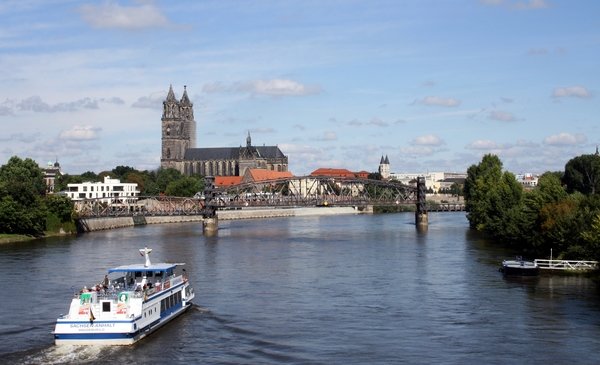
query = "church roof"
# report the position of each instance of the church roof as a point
(222, 181)
(229, 153)
(332, 172)
(262, 175)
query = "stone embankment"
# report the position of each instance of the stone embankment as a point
(97, 224)
(290, 212)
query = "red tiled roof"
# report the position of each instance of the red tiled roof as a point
(332, 172)
(221, 181)
(262, 174)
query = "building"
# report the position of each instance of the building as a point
(433, 180)
(107, 191)
(51, 172)
(179, 146)
(384, 168)
(528, 181)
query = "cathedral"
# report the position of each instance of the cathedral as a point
(179, 149)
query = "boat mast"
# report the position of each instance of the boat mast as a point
(146, 253)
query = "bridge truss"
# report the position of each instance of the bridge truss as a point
(280, 193)
(311, 191)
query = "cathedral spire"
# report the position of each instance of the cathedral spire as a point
(248, 140)
(184, 98)
(171, 94)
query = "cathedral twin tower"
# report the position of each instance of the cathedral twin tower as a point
(178, 129)
(179, 146)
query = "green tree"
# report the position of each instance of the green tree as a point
(61, 206)
(582, 174)
(186, 186)
(21, 189)
(89, 176)
(137, 178)
(166, 176)
(480, 179)
(62, 181)
(121, 172)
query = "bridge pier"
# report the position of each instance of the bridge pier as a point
(421, 218)
(210, 222)
(210, 226)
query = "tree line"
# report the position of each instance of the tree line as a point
(562, 213)
(26, 208)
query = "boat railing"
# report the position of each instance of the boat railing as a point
(576, 265)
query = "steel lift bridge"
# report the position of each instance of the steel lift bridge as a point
(305, 191)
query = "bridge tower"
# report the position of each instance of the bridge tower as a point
(421, 218)
(210, 223)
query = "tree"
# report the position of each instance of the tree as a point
(480, 179)
(137, 178)
(61, 206)
(21, 189)
(89, 176)
(186, 186)
(165, 176)
(121, 172)
(582, 174)
(62, 181)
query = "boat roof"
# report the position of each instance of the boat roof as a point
(163, 266)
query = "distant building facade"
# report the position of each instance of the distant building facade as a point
(179, 146)
(106, 191)
(51, 172)
(384, 168)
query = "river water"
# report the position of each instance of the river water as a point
(358, 289)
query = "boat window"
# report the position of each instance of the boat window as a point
(149, 274)
(105, 306)
(158, 274)
(138, 274)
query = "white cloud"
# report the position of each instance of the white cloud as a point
(482, 144)
(519, 4)
(565, 139)
(154, 101)
(427, 140)
(328, 136)
(272, 87)
(37, 105)
(501, 116)
(113, 15)
(440, 101)
(377, 122)
(262, 130)
(574, 91)
(80, 133)
(278, 87)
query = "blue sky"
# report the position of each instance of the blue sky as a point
(433, 85)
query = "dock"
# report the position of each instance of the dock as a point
(566, 265)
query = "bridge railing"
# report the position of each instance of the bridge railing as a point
(566, 264)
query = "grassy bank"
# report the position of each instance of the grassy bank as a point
(10, 238)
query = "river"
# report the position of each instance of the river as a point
(348, 289)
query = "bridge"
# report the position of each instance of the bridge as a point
(304, 191)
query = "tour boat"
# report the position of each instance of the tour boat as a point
(519, 267)
(131, 302)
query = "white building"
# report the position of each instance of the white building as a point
(433, 180)
(527, 180)
(106, 191)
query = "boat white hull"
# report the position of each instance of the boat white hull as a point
(68, 332)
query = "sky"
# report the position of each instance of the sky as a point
(432, 84)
